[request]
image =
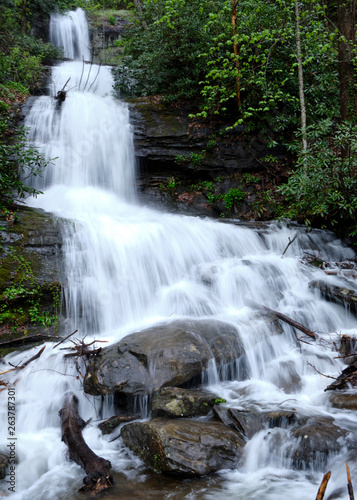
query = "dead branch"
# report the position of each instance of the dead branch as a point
(290, 242)
(281, 316)
(347, 376)
(80, 80)
(98, 476)
(96, 76)
(20, 367)
(89, 72)
(349, 483)
(323, 486)
(30, 339)
(63, 340)
(322, 374)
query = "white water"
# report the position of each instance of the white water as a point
(128, 267)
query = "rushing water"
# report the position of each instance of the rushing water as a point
(128, 267)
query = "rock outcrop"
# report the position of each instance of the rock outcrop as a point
(168, 355)
(184, 447)
(30, 288)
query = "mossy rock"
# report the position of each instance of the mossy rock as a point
(30, 288)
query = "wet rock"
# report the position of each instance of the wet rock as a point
(30, 288)
(247, 423)
(109, 425)
(346, 296)
(281, 418)
(168, 355)
(184, 447)
(317, 440)
(344, 401)
(4, 462)
(348, 349)
(286, 377)
(174, 402)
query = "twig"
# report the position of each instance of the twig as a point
(349, 483)
(96, 76)
(89, 72)
(26, 363)
(281, 316)
(290, 242)
(80, 81)
(70, 335)
(327, 376)
(323, 486)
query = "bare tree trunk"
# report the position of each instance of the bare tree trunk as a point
(98, 476)
(300, 76)
(236, 52)
(346, 18)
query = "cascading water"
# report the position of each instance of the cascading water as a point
(128, 267)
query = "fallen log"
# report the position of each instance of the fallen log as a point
(98, 476)
(28, 339)
(281, 316)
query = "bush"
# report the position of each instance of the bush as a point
(322, 189)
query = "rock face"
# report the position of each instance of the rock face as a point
(318, 439)
(346, 296)
(30, 288)
(161, 135)
(169, 355)
(173, 402)
(188, 448)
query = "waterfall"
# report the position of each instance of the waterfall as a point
(71, 33)
(128, 267)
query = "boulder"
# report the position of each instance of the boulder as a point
(344, 400)
(246, 423)
(346, 296)
(184, 447)
(174, 402)
(316, 441)
(167, 355)
(109, 425)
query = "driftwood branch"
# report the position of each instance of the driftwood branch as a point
(29, 339)
(20, 367)
(349, 483)
(323, 486)
(63, 340)
(98, 476)
(290, 242)
(281, 316)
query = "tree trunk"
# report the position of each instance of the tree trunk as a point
(300, 76)
(346, 18)
(98, 475)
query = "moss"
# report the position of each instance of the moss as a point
(97, 18)
(29, 288)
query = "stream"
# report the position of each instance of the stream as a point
(128, 267)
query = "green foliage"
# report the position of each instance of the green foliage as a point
(164, 58)
(18, 161)
(233, 198)
(251, 179)
(266, 67)
(22, 301)
(194, 158)
(323, 186)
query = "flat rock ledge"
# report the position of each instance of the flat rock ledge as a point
(346, 296)
(184, 447)
(168, 355)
